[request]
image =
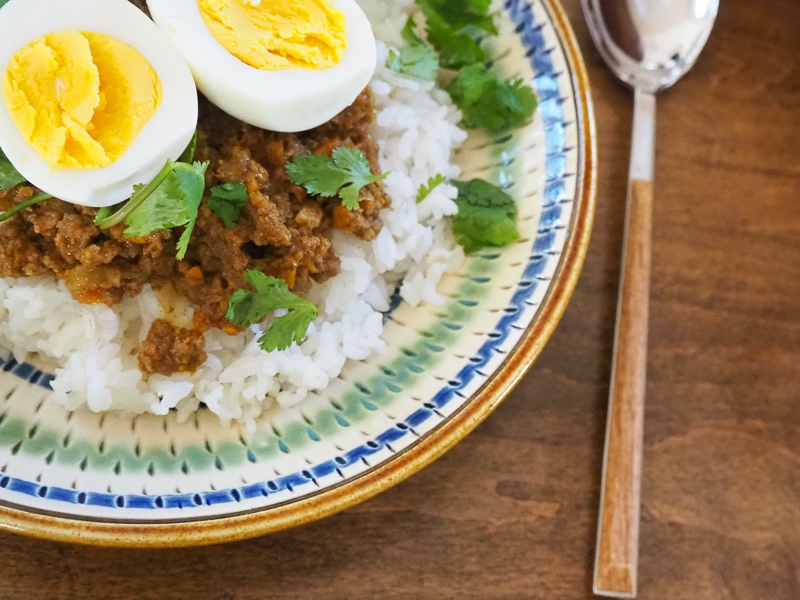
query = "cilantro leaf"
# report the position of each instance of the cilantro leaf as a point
(417, 61)
(188, 152)
(456, 48)
(486, 216)
(488, 101)
(9, 176)
(174, 203)
(416, 58)
(465, 14)
(408, 34)
(171, 199)
(317, 174)
(342, 174)
(455, 29)
(359, 174)
(270, 294)
(288, 328)
(227, 201)
(425, 189)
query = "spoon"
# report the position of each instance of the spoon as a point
(648, 44)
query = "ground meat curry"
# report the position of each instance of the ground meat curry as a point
(282, 231)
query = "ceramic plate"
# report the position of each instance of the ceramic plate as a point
(153, 481)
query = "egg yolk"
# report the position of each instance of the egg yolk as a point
(80, 99)
(278, 34)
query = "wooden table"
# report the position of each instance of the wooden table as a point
(511, 512)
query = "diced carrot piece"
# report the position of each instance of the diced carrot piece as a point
(327, 146)
(275, 152)
(341, 217)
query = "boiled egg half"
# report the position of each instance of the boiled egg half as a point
(282, 65)
(95, 99)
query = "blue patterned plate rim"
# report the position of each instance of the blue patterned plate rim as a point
(550, 107)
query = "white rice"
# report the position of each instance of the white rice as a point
(94, 346)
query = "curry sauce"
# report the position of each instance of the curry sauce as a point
(282, 231)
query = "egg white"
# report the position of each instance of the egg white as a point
(281, 100)
(163, 137)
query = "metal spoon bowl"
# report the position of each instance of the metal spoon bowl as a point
(648, 44)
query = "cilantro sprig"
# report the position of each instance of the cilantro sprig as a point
(19, 207)
(415, 58)
(247, 307)
(9, 176)
(342, 174)
(486, 216)
(171, 199)
(9, 179)
(426, 188)
(463, 14)
(488, 101)
(455, 28)
(227, 201)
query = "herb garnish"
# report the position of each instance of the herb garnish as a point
(188, 153)
(344, 173)
(171, 199)
(23, 205)
(227, 201)
(425, 189)
(270, 294)
(9, 179)
(454, 29)
(9, 176)
(490, 102)
(415, 58)
(486, 216)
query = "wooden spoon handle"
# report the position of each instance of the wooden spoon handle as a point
(618, 528)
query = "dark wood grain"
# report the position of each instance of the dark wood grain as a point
(511, 512)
